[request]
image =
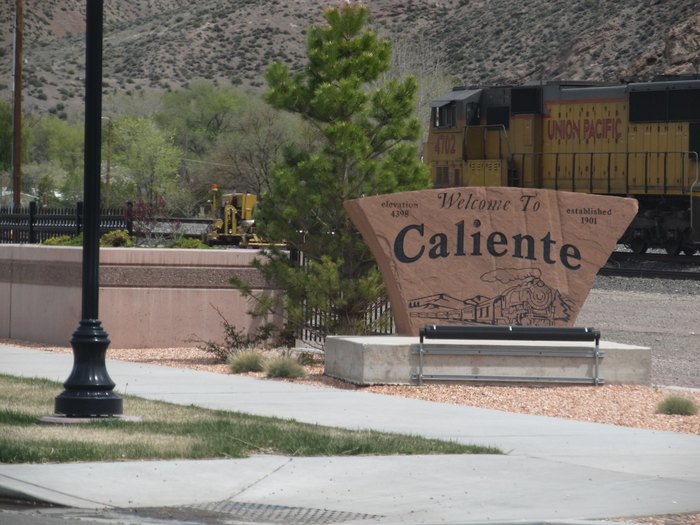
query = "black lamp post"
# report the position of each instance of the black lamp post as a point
(88, 389)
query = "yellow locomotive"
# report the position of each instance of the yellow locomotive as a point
(639, 140)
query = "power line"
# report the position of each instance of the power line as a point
(207, 162)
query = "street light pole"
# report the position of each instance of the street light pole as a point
(109, 158)
(89, 389)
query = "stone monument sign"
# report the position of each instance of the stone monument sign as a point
(487, 255)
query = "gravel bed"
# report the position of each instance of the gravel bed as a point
(639, 284)
(661, 314)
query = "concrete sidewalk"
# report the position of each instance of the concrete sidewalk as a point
(554, 470)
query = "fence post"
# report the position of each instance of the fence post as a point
(32, 220)
(78, 217)
(129, 215)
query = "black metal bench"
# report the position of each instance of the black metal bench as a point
(510, 333)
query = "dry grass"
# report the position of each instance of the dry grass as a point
(105, 437)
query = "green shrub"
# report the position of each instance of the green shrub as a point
(677, 405)
(246, 362)
(117, 238)
(64, 240)
(284, 367)
(189, 243)
(113, 238)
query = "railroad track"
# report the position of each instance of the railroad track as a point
(675, 260)
(650, 273)
(653, 266)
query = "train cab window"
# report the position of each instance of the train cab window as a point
(684, 105)
(473, 116)
(526, 100)
(445, 116)
(498, 116)
(442, 176)
(678, 105)
(648, 106)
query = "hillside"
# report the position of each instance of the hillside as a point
(161, 44)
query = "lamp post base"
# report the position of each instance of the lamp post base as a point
(88, 389)
(86, 404)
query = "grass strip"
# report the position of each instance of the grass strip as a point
(170, 431)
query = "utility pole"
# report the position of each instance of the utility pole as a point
(17, 110)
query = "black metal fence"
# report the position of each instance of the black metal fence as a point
(34, 224)
(378, 319)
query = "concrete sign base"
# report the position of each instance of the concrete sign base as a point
(372, 360)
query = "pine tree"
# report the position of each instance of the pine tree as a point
(365, 143)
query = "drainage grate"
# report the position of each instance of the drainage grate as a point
(256, 512)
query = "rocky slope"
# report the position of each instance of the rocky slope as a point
(161, 44)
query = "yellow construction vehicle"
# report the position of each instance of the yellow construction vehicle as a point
(233, 220)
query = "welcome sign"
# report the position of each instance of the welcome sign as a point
(500, 256)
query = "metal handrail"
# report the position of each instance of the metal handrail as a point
(685, 184)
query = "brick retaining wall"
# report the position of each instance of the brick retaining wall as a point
(148, 297)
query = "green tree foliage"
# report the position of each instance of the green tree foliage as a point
(198, 115)
(144, 165)
(55, 140)
(244, 159)
(48, 181)
(233, 138)
(56, 152)
(365, 145)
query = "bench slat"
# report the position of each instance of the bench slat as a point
(516, 333)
